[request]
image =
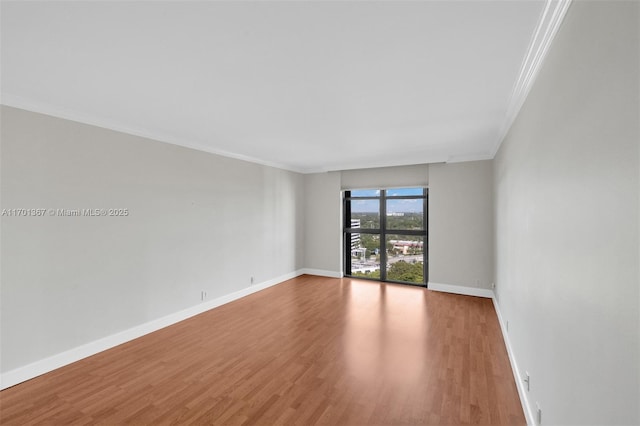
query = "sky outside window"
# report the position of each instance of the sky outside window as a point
(397, 192)
(365, 193)
(365, 206)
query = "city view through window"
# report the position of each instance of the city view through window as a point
(395, 217)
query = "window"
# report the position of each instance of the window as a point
(385, 234)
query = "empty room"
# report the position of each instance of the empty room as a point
(320, 212)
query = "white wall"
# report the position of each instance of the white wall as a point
(197, 222)
(323, 223)
(461, 224)
(566, 203)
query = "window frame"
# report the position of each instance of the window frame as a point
(383, 231)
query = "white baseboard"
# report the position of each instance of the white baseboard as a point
(322, 273)
(35, 369)
(526, 407)
(458, 289)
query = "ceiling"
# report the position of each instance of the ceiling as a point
(306, 86)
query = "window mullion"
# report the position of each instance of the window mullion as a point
(383, 235)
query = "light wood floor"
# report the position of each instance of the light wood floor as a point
(309, 351)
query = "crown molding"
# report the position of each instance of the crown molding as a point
(470, 157)
(26, 104)
(20, 102)
(546, 30)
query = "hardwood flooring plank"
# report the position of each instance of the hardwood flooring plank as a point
(311, 350)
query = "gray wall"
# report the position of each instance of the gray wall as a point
(461, 224)
(323, 222)
(460, 217)
(197, 222)
(566, 203)
(323, 208)
(385, 177)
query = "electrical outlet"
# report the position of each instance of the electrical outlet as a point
(493, 286)
(538, 413)
(507, 325)
(527, 380)
(251, 280)
(203, 295)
